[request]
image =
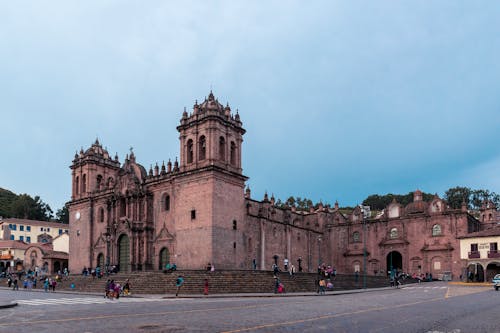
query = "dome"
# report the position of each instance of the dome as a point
(416, 207)
(212, 104)
(97, 150)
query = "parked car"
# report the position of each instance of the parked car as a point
(496, 282)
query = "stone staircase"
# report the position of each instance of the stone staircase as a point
(220, 282)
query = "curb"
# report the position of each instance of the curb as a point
(8, 305)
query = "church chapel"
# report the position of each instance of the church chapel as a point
(197, 211)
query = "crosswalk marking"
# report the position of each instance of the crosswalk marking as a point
(442, 287)
(87, 300)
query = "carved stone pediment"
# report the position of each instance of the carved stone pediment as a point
(100, 242)
(164, 234)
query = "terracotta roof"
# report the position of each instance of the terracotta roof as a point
(495, 231)
(35, 222)
(55, 255)
(13, 244)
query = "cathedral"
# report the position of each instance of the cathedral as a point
(197, 211)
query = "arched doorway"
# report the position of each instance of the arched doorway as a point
(57, 266)
(164, 258)
(475, 273)
(491, 270)
(394, 261)
(124, 253)
(100, 261)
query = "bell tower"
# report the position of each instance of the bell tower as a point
(211, 136)
(211, 185)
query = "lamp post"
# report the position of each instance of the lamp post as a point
(319, 250)
(365, 213)
(108, 240)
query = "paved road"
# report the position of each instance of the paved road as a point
(430, 307)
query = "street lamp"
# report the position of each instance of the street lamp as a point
(319, 251)
(365, 213)
(108, 240)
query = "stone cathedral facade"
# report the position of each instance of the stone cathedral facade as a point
(197, 211)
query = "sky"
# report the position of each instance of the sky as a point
(340, 99)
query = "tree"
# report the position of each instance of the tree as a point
(62, 215)
(25, 207)
(6, 199)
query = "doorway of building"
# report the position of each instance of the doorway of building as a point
(491, 270)
(394, 261)
(124, 253)
(164, 258)
(475, 273)
(100, 261)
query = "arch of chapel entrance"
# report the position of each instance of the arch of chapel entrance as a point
(394, 261)
(124, 253)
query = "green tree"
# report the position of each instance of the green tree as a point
(456, 195)
(6, 199)
(25, 207)
(62, 215)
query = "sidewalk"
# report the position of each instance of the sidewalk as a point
(11, 303)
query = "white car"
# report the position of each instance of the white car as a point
(496, 282)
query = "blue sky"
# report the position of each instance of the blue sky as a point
(340, 99)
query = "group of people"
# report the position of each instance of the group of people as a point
(114, 289)
(98, 272)
(326, 275)
(30, 282)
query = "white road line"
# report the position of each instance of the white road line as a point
(66, 301)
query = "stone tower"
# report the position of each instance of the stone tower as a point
(93, 172)
(211, 185)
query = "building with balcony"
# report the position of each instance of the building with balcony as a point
(480, 255)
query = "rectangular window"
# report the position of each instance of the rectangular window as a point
(28, 228)
(14, 227)
(41, 229)
(11, 237)
(21, 238)
(66, 231)
(494, 247)
(21, 228)
(193, 214)
(473, 247)
(48, 229)
(28, 239)
(60, 231)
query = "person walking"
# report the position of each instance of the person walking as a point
(178, 283)
(322, 285)
(46, 285)
(15, 287)
(292, 270)
(285, 264)
(205, 288)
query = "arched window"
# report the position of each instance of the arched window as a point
(166, 202)
(77, 185)
(234, 225)
(189, 152)
(222, 148)
(110, 182)
(233, 153)
(355, 237)
(84, 183)
(101, 214)
(203, 148)
(436, 230)
(394, 233)
(98, 183)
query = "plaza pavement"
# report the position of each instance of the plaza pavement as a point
(8, 303)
